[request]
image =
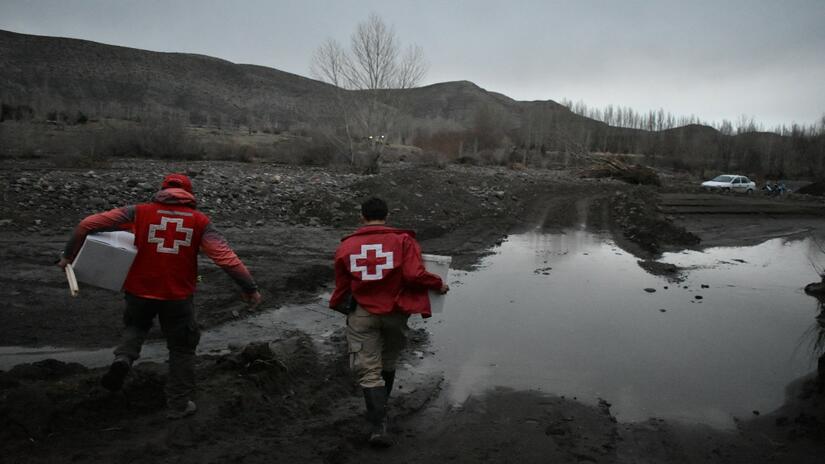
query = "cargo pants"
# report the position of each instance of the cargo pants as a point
(375, 341)
(179, 326)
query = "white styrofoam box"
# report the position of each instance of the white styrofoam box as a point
(440, 266)
(105, 259)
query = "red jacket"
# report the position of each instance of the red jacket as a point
(169, 233)
(381, 266)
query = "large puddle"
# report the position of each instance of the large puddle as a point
(569, 314)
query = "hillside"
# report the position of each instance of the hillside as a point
(51, 74)
(59, 74)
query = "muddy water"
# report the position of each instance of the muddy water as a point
(569, 314)
(271, 323)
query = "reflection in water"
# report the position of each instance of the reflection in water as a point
(819, 344)
(815, 335)
(568, 314)
(816, 254)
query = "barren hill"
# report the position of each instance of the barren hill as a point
(60, 74)
(49, 73)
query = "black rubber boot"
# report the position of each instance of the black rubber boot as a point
(389, 378)
(113, 379)
(376, 401)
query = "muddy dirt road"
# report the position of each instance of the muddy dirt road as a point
(293, 400)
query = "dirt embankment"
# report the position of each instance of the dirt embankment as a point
(293, 400)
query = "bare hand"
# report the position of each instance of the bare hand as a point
(252, 299)
(63, 262)
(444, 289)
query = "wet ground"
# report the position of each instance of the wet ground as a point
(552, 348)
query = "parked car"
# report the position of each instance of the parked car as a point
(730, 183)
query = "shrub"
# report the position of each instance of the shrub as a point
(467, 159)
(318, 154)
(430, 159)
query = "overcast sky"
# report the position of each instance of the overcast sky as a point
(714, 59)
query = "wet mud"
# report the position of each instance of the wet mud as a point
(293, 399)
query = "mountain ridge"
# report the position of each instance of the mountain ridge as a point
(56, 74)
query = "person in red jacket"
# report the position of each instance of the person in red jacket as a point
(380, 281)
(169, 233)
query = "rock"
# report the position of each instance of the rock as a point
(46, 369)
(705, 286)
(650, 290)
(815, 288)
(698, 297)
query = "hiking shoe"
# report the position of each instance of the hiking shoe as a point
(186, 411)
(113, 379)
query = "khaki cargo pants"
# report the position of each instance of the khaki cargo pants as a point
(375, 342)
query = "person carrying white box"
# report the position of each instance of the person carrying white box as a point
(169, 233)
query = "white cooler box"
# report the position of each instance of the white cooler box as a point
(439, 265)
(105, 259)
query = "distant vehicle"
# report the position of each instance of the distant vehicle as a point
(777, 189)
(730, 183)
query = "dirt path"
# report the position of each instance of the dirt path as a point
(742, 220)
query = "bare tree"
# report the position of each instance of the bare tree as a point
(364, 75)
(331, 64)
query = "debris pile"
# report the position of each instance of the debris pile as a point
(617, 169)
(638, 217)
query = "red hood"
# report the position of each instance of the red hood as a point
(369, 230)
(175, 196)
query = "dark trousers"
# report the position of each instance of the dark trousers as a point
(177, 320)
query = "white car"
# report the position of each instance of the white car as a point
(730, 183)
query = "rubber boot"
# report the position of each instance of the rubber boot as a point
(113, 379)
(389, 379)
(376, 401)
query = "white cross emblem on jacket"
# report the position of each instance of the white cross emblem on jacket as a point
(178, 229)
(369, 264)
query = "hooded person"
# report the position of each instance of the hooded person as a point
(169, 233)
(380, 280)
